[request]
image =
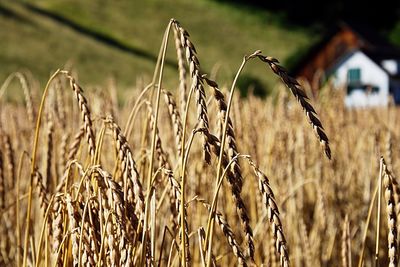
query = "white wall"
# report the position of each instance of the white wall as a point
(391, 66)
(371, 73)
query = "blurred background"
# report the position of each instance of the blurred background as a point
(120, 39)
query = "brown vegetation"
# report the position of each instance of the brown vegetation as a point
(150, 193)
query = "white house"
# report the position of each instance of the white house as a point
(366, 81)
(358, 59)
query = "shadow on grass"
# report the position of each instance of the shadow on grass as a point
(11, 14)
(98, 36)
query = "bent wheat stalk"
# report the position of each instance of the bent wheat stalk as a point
(235, 186)
(302, 98)
(196, 86)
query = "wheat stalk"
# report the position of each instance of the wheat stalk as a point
(9, 156)
(346, 249)
(74, 219)
(235, 192)
(196, 86)
(85, 113)
(74, 147)
(228, 233)
(180, 54)
(391, 219)
(42, 190)
(273, 214)
(175, 119)
(133, 192)
(49, 155)
(302, 98)
(2, 183)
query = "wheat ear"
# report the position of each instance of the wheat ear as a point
(176, 189)
(134, 188)
(228, 233)
(49, 155)
(74, 147)
(273, 214)
(196, 86)
(391, 219)
(236, 193)
(42, 190)
(180, 54)
(85, 113)
(57, 224)
(230, 132)
(345, 251)
(175, 119)
(74, 219)
(302, 98)
(9, 156)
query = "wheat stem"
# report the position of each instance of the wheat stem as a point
(33, 166)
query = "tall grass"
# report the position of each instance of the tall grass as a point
(198, 176)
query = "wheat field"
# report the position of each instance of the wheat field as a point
(195, 175)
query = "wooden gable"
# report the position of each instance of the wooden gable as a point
(328, 52)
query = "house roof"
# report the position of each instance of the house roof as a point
(378, 55)
(370, 42)
(367, 34)
(375, 57)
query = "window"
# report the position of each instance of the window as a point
(368, 89)
(354, 75)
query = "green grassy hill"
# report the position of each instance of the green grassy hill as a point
(121, 38)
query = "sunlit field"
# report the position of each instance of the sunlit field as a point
(194, 175)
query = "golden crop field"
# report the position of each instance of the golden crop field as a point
(195, 175)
